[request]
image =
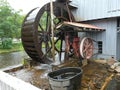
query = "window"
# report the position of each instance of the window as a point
(100, 45)
(118, 22)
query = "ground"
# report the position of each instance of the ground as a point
(94, 76)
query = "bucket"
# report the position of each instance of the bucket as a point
(65, 79)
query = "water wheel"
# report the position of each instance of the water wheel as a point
(86, 48)
(36, 31)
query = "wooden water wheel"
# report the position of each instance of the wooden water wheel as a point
(36, 31)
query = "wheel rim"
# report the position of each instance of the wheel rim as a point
(86, 48)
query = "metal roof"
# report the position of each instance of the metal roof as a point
(80, 27)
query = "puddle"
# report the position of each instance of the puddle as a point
(114, 84)
(65, 75)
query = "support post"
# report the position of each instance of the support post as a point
(52, 29)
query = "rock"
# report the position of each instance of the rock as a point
(111, 70)
(110, 61)
(115, 65)
(118, 74)
(101, 61)
(117, 69)
(84, 62)
(28, 62)
(112, 66)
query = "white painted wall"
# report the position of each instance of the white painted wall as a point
(118, 46)
(8, 82)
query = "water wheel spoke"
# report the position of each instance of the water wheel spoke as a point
(55, 43)
(87, 47)
(57, 39)
(47, 23)
(45, 54)
(40, 41)
(86, 42)
(88, 54)
(41, 27)
(40, 34)
(46, 46)
(61, 12)
(57, 50)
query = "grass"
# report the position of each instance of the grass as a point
(19, 47)
(15, 47)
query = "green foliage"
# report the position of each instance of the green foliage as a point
(7, 43)
(15, 47)
(43, 20)
(119, 60)
(11, 20)
(58, 45)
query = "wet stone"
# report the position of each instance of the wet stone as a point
(117, 69)
(111, 61)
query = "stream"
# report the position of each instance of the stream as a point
(12, 58)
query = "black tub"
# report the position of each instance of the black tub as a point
(65, 79)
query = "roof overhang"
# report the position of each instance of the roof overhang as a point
(80, 27)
